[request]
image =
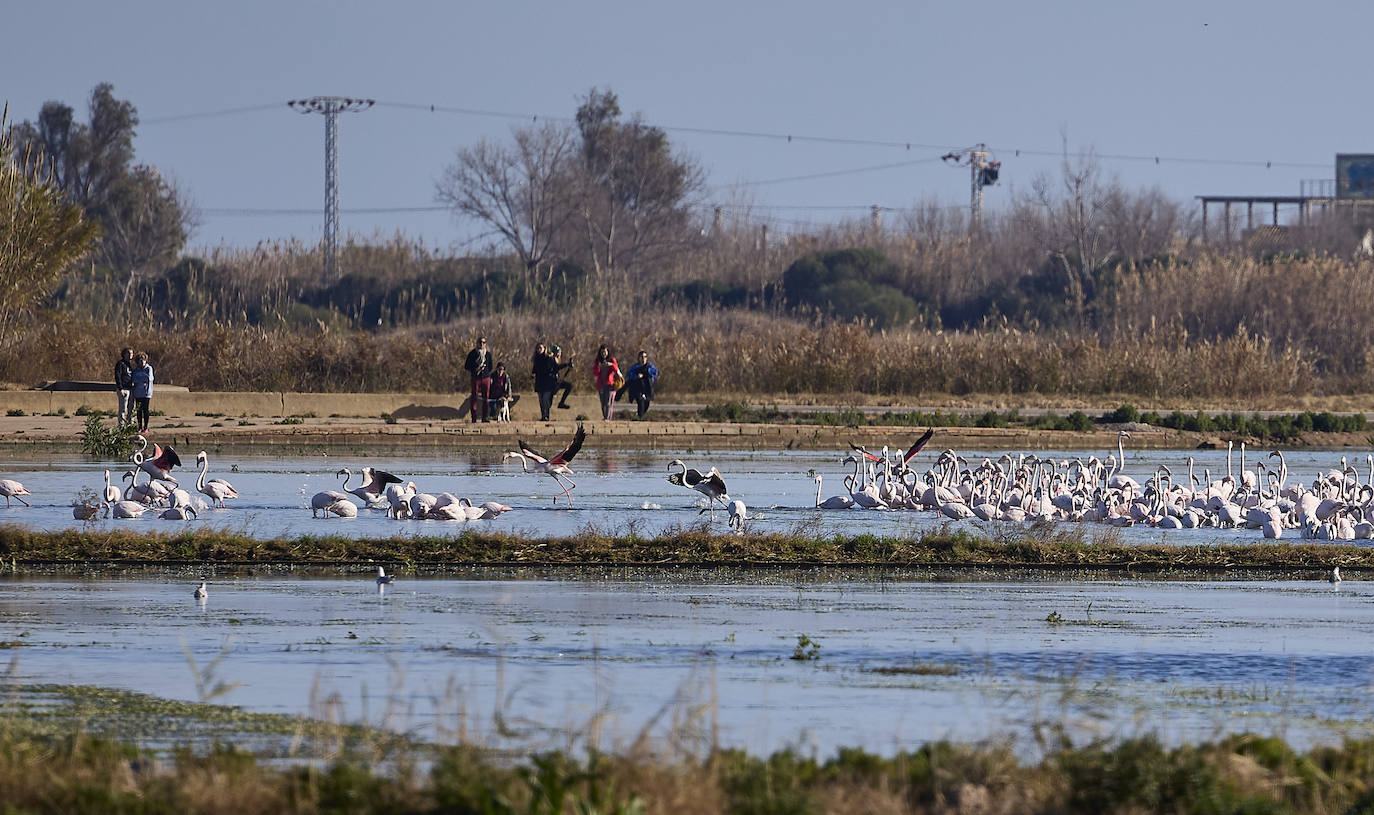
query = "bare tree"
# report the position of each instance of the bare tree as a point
(521, 191)
(635, 193)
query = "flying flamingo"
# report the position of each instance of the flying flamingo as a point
(13, 489)
(216, 489)
(556, 467)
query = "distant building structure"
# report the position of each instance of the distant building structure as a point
(1352, 190)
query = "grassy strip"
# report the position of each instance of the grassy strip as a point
(1040, 546)
(82, 774)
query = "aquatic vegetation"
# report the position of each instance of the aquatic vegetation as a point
(807, 648)
(1042, 546)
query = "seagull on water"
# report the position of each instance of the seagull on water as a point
(201, 592)
(1335, 576)
(383, 578)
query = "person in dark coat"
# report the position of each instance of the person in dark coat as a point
(124, 383)
(545, 370)
(479, 366)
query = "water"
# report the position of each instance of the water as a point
(616, 490)
(899, 663)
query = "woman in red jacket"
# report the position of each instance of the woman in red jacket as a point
(606, 375)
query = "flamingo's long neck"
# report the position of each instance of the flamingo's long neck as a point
(204, 468)
(818, 490)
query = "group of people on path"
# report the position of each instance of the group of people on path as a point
(490, 382)
(490, 385)
(134, 386)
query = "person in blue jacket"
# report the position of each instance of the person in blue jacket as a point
(142, 391)
(639, 381)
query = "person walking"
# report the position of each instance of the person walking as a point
(639, 381)
(545, 371)
(124, 383)
(142, 391)
(608, 378)
(478, 364)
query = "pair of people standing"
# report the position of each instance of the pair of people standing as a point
(611, 382)
(134, 385)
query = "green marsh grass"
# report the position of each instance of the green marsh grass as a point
(1043, 546)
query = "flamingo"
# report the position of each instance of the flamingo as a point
(85, 512)
(834, 501)
(159, 465)
(13, 489)
(151, 493)
(737, 515)
(374, 482)
(111, 491)
(324, 500)
(710, 483)
(182, 513)
(343, 509)
(129, 509)
(216, 489)
(556, 467)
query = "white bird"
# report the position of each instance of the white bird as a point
(834, 501)
(216, 489)
(112, 493)
(13, 489)
(201, 592)
(1335, 576)
(737, 515)
(128, 509)
(557, 467)
(181, 513)
(344, 509)
(324, 500)
(382, 577)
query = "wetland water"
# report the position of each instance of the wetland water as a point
(898, 663)
(617, 491)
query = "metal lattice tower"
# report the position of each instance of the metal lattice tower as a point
(982, 173)
(331, 107)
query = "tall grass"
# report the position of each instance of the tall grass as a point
(1199, 325)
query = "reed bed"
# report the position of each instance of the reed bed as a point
(1194, 325)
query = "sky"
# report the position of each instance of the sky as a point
(1232, 98)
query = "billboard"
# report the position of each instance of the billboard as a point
(1355, 176)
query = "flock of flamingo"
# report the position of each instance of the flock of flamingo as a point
(1337, 505)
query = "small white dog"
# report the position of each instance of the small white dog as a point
(500, 409)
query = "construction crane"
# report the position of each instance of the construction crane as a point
(984, 171)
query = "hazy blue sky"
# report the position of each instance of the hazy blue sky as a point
(1225, 82)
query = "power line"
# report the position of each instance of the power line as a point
(208, 114)
(784, 136)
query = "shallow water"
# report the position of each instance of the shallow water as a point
(606, 659)
(617, 490)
